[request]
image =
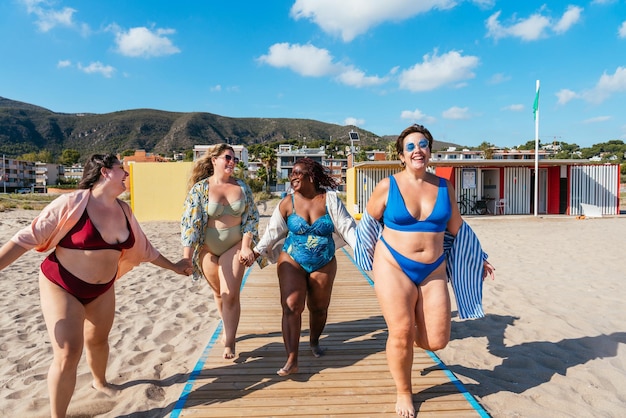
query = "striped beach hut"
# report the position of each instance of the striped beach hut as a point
(506, 187)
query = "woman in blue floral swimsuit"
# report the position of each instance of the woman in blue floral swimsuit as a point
(312, 219)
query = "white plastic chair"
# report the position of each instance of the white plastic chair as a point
(501, 206)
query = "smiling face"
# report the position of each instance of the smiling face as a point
(416, 150)
(298, 176)
(225, 162)
(116, 174)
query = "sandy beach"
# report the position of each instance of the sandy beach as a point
(553, 342)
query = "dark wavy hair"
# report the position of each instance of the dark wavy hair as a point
(91, 169)
(411, 130)
(320, 174)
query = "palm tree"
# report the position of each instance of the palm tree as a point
(391, 154)
(268, 158)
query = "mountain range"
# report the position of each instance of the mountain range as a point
(27, 128)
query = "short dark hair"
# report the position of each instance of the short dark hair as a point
(415, 128)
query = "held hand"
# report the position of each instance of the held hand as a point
(246, 256)
(488, 270)
(184, 267)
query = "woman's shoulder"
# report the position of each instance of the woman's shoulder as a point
(383, 184)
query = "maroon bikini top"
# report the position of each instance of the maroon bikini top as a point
(85, 236)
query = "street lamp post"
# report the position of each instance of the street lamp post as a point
(354, 136)
(4, 173)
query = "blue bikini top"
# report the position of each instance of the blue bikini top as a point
(396, 216)
(298, 225)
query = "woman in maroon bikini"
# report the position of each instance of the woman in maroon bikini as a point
(96, 239)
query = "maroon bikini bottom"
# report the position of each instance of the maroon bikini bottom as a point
(80, 289)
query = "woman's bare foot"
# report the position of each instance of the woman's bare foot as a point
(229, 353)
(107, 389)
(285, 371)
(404, 405)
(317, 351)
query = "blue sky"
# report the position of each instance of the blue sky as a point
(467, 70)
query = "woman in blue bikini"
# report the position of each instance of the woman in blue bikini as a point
(313, 222)
(409, 269)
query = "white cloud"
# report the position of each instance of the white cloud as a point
(216, 87)
(534, 27)
(306, 60)
(565, 95)
(597, 119)
(438, 70)
(417, 116)
(311, 61)
(569, 18)
(456, 113)
(499, 78)
(64, 64)
(484, 4)
(357, 78)
(144, 42)
(350, 121)
(97, 68)
(607, 85)
(351, 18)
(529, 29)
(514, 107)
(49, 18)
(621, 32)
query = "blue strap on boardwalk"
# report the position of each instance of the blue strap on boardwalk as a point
(472, 401)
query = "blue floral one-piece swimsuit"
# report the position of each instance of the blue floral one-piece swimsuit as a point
(311, 246)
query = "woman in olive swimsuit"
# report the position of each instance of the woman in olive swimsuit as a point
(218, 227)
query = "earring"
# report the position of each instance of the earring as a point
(402, 163)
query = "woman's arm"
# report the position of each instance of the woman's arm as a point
(378, 200)
(250, 219)
(10, 252)
(343, 221)
(275, 231)
(455, 221)
(183, 266)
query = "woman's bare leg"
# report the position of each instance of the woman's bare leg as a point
(397, 297)
(293, 287)
(230, 275)
(100, 314)
(64, 317)
(433, 312)
(319, 291)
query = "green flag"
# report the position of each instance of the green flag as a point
(536, 105)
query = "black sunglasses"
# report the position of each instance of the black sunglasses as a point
(230, 158)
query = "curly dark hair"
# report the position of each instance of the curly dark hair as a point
(91, 170)
(411, 130)
(320, 174)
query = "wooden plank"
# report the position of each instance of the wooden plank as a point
(352, 379)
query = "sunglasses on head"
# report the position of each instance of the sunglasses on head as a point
(410, 147)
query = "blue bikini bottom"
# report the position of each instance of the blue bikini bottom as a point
(414, 270)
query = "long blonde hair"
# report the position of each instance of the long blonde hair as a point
(203, 167)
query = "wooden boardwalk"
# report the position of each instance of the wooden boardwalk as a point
(351, 380)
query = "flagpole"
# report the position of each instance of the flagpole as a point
(536, 147)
